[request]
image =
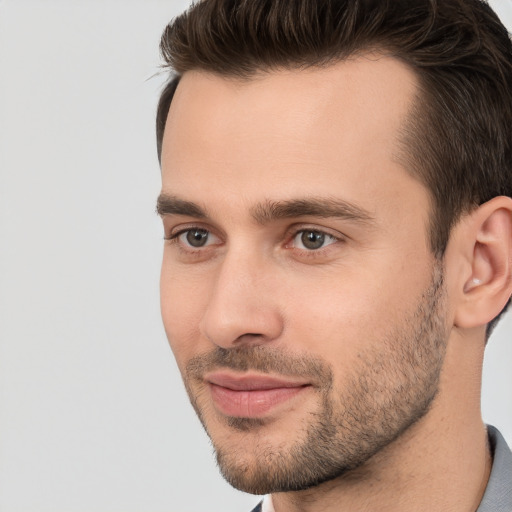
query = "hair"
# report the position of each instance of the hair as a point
(458, 136)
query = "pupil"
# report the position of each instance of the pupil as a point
(313, 239)
(197, 237)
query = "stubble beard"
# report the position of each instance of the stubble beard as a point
(387, 392)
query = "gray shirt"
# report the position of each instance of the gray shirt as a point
(498, 494)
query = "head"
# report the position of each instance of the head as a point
(318, 159)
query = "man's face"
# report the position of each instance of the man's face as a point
(298, 291)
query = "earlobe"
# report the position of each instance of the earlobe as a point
(487, 285)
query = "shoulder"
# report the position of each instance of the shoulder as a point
(498, 494)
(257, 508)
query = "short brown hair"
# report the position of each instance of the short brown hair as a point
(458, 137)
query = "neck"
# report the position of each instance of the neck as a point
(440, 463)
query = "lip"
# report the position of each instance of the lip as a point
(251, 395)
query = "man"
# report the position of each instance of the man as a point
(336, 200)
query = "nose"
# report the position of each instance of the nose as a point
(243, 306)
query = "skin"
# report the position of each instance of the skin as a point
(256, 294)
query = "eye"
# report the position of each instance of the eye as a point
(194, 238)
(311, 239)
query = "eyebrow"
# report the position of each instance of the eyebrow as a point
(268, 211)
(172, 205)
(311, 207)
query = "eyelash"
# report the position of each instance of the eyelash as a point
(291, 235)
(174, 237)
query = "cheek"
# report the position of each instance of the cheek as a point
(332, 324)
(343, 314)
(182, 304)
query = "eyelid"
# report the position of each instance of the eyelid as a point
(328, 240)
(172, 235)
(172, 231)
(294, 230)
(291, 233)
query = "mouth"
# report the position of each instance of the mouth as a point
(251, 395)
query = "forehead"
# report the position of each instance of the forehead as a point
(285, 131)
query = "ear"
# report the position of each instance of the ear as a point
(485, 284)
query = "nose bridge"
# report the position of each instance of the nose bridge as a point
(242, 307)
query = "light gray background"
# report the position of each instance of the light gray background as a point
(93, 415)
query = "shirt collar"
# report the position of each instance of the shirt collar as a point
(498, 493)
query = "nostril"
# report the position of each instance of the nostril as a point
(250, 336)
